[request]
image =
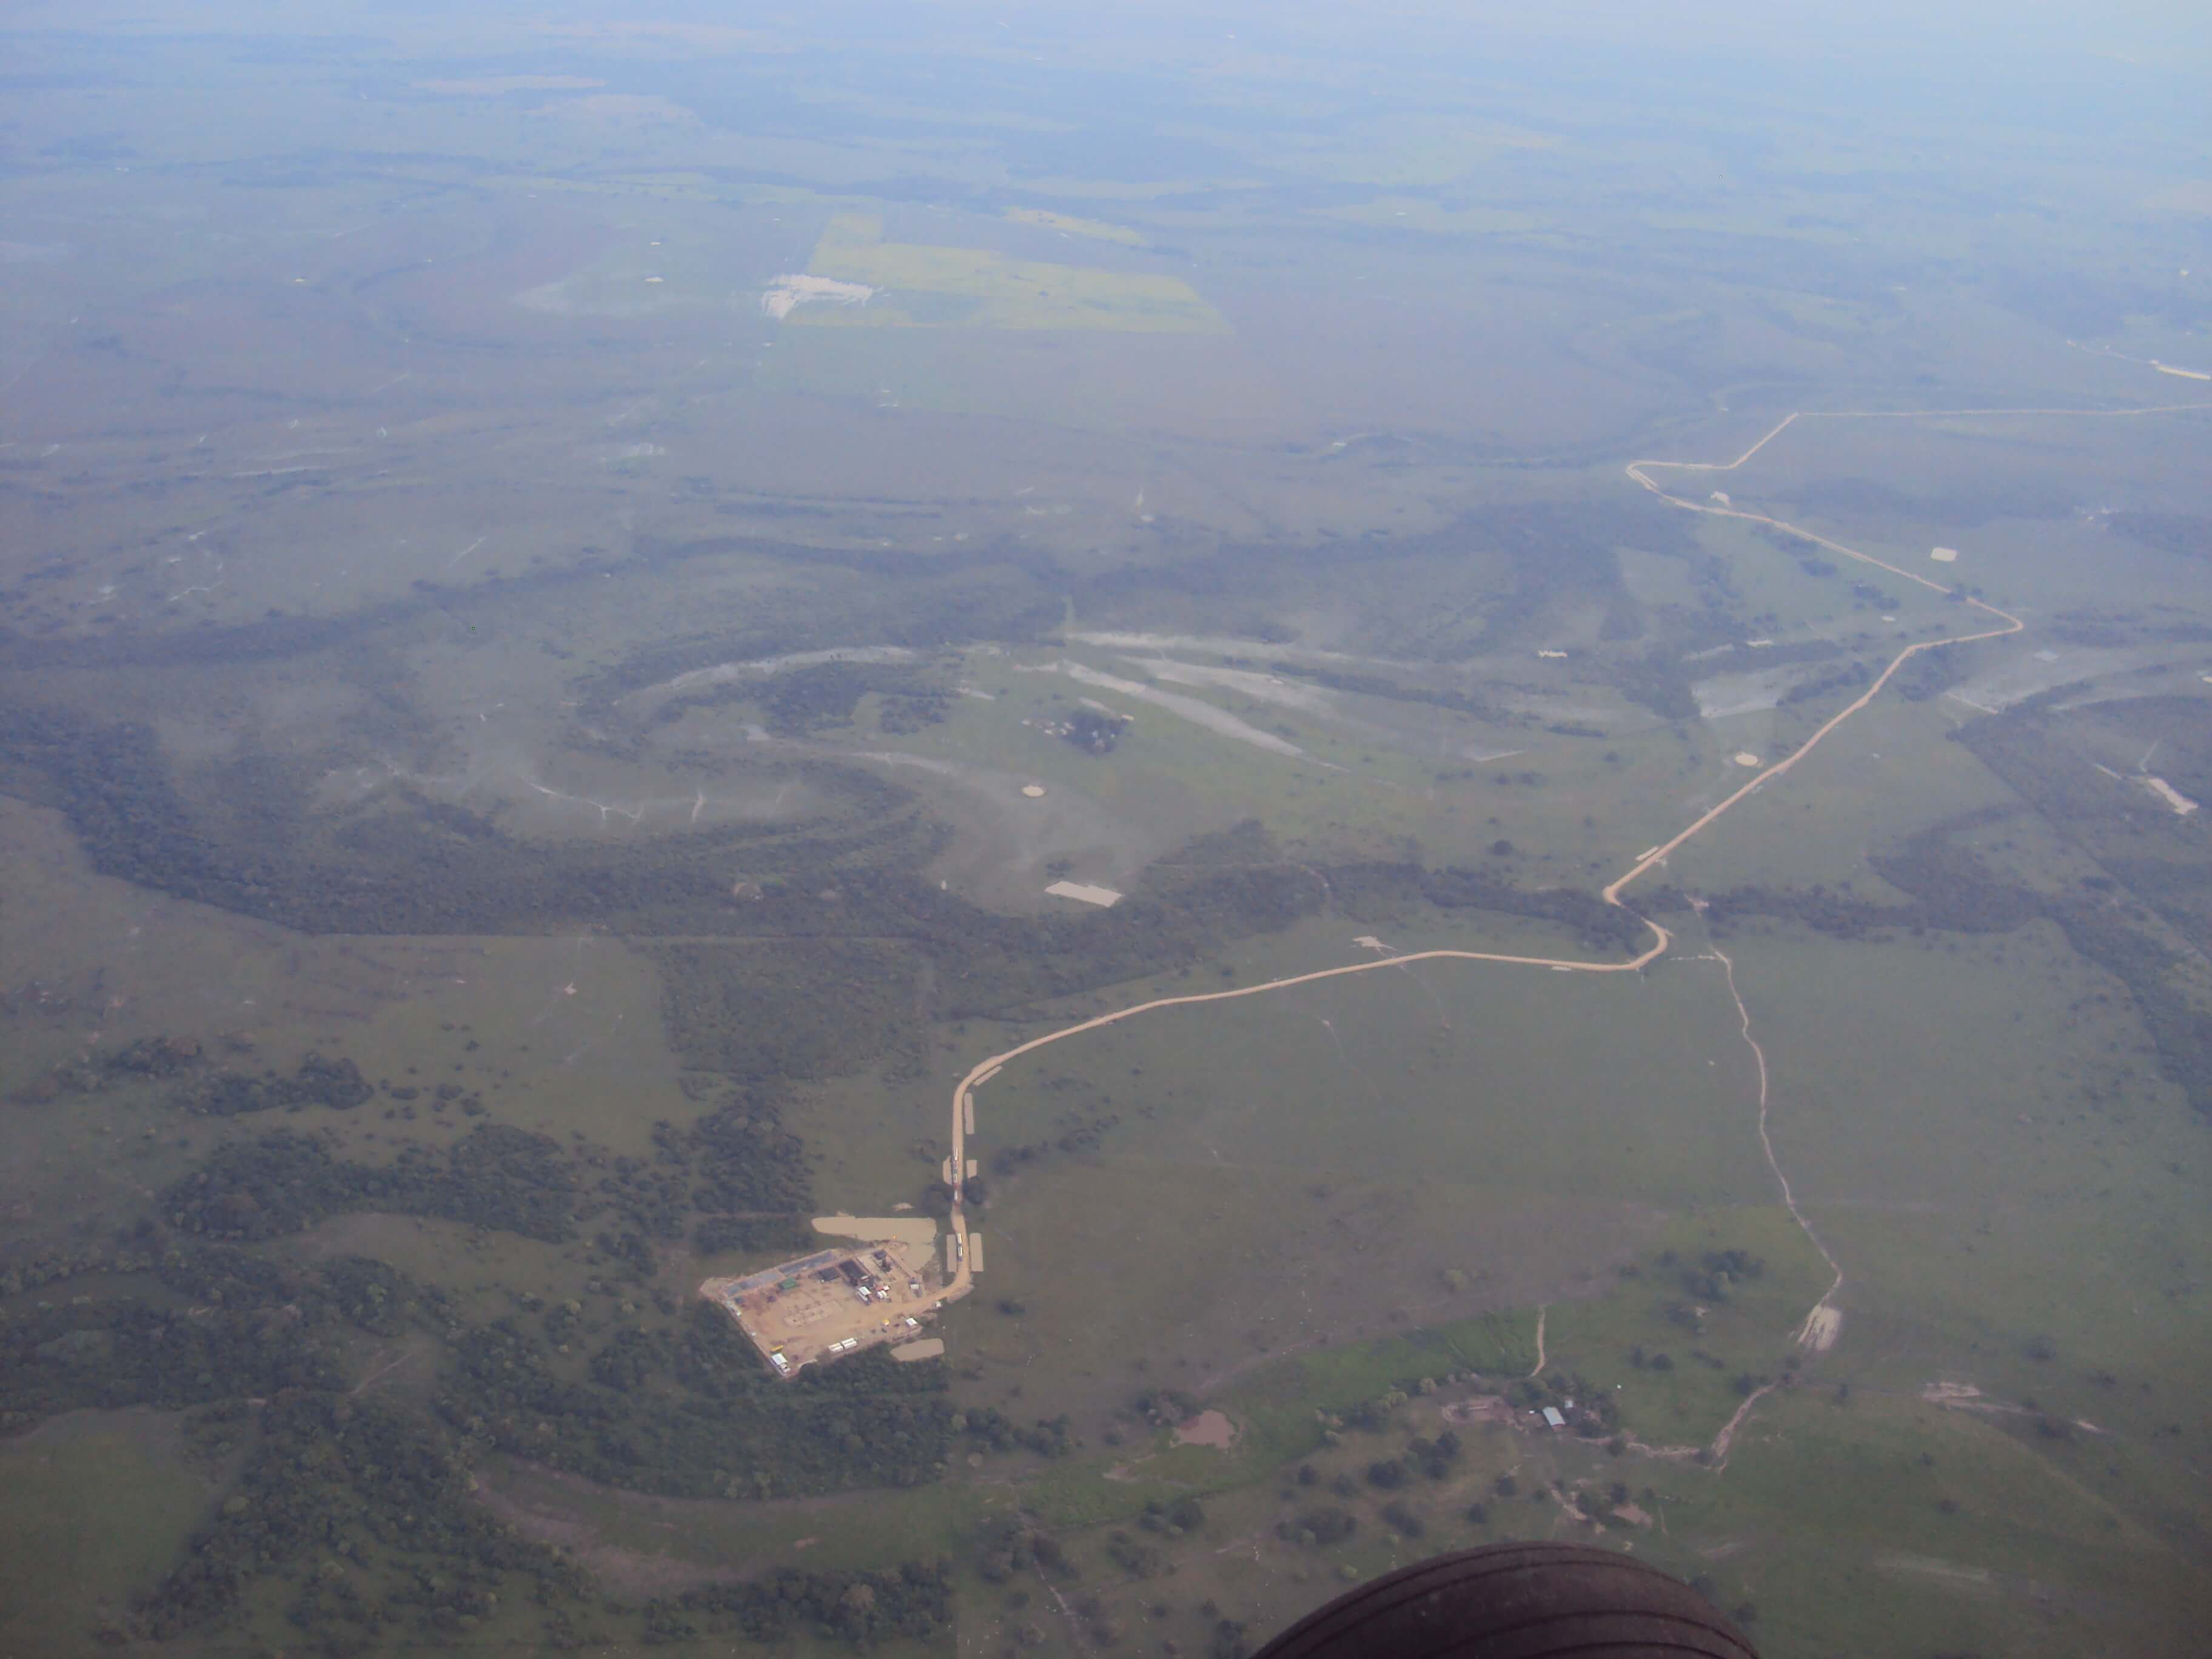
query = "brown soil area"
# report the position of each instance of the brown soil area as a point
(1208, 1428)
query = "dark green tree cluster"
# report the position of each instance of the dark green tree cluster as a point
(1714, 1277)
(153, 1350)
(1008, 1544)
(1435, 1458)
(1659, 680)
(1403, 1519)
(1866, 593)
(1597, 924)
(496, 1175)
(1136, 1558)
(1852, 677)
(912, 1603)
(114, 784)
(1932, 673)
(1951, 888)
(1167, 1407)
(1096, 732)
(810, 1008)
(204, 1324)
(367, 1516)
(363, 1511)
(1323, 1527)
(335, 1084)
(2184, 535)
(741, 1158)
(692, 1413)
(1049, 1437)
(1184, 1515)
(153, 1056)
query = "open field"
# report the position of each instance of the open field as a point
(923, 286)
(516, 789)
(1068, 225)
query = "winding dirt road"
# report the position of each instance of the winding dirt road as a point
(2006, 625)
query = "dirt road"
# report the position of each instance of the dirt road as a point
(963, 1103)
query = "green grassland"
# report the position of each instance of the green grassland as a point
(97, 1506)
(974, 287)
(1096, 229)
(1297, 1209)
(1415, 212)
(1861, 1518)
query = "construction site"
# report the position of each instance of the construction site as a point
(834, 1303)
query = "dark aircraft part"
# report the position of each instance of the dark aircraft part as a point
(1516, 1601)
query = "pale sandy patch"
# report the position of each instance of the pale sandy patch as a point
(723, 673)
(1208, 1428)
(2182, 805)
(1199, 713)
(1821, 1327)
(1262, 688)
(787, 292)
(928, 1347)
(919, 1231)
(1034, 790)
(1083, 892)
(1745, 758)
(1950, 1394)
(1948, 1572)
(1943, 555)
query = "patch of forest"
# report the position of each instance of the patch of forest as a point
(2184, 535)
(690, 1411)
(913, 1602)
(838, 1004)
(355, 1516)
(735, 1169)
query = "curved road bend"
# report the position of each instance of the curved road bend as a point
(962, 1281)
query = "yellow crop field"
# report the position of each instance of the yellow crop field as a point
(1098, 230)
(922, 285)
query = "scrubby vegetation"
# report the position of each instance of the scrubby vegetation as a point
(690, 1412)
(356, 1511)
(284, 1180)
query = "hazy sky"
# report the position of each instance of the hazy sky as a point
(2150, 30)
